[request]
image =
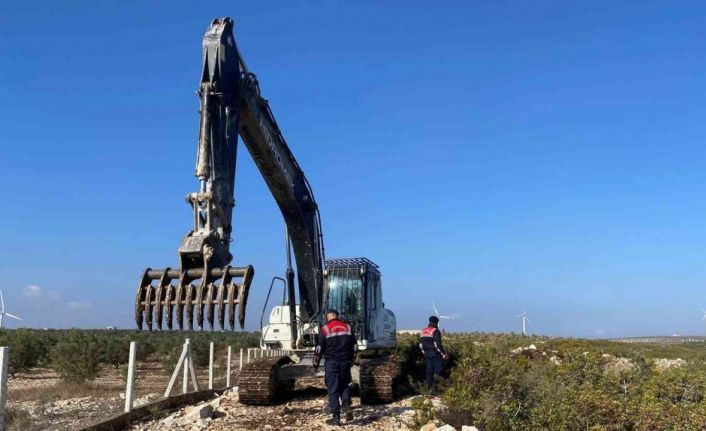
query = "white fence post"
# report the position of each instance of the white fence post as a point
(240, 364)
(4, 359)
(131, 366)
(248, 355)
(187, 359)
(228, 368)
(210, 366)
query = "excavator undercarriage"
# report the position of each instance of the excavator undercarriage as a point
(265, 380)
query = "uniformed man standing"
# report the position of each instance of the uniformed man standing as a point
(337, 346)
(434, 352)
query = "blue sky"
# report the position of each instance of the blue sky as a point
(490, 156)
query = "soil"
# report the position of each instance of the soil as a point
(55, 405)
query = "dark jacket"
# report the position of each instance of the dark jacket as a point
(430, 342)
(336, 342)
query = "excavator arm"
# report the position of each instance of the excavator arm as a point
(231, 104)
(290, 189)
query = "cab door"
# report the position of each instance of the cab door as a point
(372, 304)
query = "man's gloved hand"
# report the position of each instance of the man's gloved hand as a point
(445, 356)
(317, 361)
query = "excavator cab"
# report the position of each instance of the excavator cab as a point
(355, 290)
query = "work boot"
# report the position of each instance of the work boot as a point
(348, 412)
(334, 420)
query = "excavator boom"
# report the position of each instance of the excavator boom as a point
(231, 104)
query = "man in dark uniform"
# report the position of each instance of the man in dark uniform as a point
(337, 346)
(434, 352)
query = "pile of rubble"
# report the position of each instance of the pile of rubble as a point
(617, 364)
(613, 363)
(532, 352)
(663, 363)
(620, 364)
(306, 411)
(436, 426)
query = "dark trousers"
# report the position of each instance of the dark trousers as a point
(435, 365)
(338, 384)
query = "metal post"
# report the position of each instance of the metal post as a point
(240, 364)
(129, 392)
(290, 287)
(210, 366)
(4, 359)
(248, 355)
(187, 359)
(228, 368)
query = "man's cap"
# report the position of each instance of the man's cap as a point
(433, 319)
(332, 311)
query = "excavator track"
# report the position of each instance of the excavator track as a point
(258, 384)
(377, 379)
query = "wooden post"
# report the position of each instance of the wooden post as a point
(240, 364)
(131, 366)
(210, 366)
(228, 368)
(4, 359)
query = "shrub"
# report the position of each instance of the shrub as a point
(77, 356)
(26, 350)
(116, 351)
(494, 389)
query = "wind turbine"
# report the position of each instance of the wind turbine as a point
(2, 311)
(436, 313)
(526, 320)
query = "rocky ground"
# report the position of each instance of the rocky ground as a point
(48, 403)
(307, 409)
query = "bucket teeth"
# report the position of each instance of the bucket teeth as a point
(190, 306)
(162, 293)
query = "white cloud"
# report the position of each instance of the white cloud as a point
(78, 305)
(38, 294)
(32, 291)
(601, 332)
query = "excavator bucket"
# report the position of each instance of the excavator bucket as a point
(192, 292)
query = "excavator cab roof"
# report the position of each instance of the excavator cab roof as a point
(349, 263)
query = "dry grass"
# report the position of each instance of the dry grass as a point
(19, 420)
(61, 391)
